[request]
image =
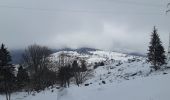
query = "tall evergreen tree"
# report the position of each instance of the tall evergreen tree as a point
(6, 71)
(156, 54)
(5, 57)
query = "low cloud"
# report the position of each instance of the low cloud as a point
(109, 25)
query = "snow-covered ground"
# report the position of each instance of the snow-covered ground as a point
(94, 56)
(149, 88)
(125, 77)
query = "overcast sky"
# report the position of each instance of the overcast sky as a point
(103, 24)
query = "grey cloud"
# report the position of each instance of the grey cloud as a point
(104, 24)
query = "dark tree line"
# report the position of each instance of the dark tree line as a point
(32, 75)
(78, 73)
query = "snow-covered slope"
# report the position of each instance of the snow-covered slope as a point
(94, 56)
(150, 88)
(121, 70)
(118, 66)
(123, 77)
(154, 87)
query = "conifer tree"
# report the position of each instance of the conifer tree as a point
(6, 71)
(22, 77)
(156, 54)
(5, 57)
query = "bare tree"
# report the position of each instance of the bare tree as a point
(82, 76)
(36, 57)
(80, 73)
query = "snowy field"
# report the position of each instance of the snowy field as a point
(126, 77)
(151, 88)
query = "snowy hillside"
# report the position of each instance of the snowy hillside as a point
(95, 56)
(123, 77)
(154, 87)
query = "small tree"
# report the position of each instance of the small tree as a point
(80, 73)
(156, 55)
(22, 77)
(64, 75)
(83, 65)
(76, 72)
(5, 56)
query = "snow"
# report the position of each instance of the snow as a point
(94, 56)
(125, 78)
(110, 55)
(116, 72)
(149, 88)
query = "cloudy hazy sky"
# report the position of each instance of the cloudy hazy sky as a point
(103, 24)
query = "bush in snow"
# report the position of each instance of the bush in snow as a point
(97, 64)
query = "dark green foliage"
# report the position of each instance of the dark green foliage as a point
(7, 78)
(5, 57)
(156, 55)
(22, 77)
